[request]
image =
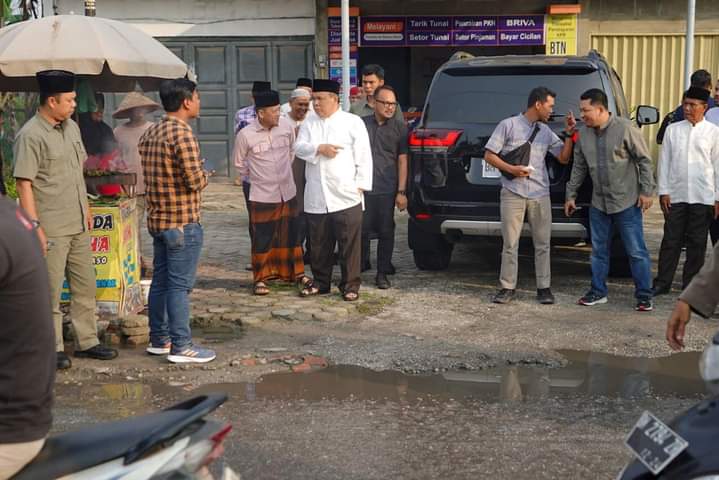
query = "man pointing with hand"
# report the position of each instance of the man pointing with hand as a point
(337, 150)
(614, 154)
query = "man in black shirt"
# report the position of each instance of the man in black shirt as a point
(388, 138)
(27, 342)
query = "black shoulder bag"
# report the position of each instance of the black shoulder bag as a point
(520, 155)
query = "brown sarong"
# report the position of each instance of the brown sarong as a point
(276, 250)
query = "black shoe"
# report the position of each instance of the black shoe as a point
(365, 267)
(382, 281)
(644, 305)
(590, 299)
(98, 352)
(659, 290)
(392, 270)
(504, 296)
(544, 296)
(63, 361)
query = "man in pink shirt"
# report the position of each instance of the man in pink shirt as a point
(264, 152)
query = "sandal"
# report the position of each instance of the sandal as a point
(261, 288)
(350, 296)
(307, 287)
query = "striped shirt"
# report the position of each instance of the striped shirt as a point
(174, 177)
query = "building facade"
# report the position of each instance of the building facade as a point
(231, 43)
(228, 44)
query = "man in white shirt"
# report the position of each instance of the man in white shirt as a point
(300, 101)
(299, 106)
(336, 147)
(688, 189)
(302, 84)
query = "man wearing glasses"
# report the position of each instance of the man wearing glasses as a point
(388, 139)
(688, 189)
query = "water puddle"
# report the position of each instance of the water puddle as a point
(587, 374)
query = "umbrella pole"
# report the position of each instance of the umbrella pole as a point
(89, 8)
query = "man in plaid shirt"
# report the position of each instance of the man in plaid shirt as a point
(174, 180)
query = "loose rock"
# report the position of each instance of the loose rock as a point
(284, 314)
(138, 340)
(135, 331)
(133, 321)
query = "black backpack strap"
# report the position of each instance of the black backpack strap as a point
(534, 134)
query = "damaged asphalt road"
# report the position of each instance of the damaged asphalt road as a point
(498, 421)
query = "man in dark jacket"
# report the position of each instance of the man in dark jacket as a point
(27, 340)
(701, 296)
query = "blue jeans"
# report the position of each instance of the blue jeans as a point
(629, 225)
(176, 254)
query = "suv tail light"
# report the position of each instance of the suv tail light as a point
(433, 138)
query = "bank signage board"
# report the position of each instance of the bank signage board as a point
(561, 35)
(449, 31)
(334, 42)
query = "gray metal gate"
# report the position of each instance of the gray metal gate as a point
(225, 71)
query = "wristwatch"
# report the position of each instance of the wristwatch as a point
(35, 224)
(402, 192)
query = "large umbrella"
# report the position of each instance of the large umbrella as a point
(114, 56)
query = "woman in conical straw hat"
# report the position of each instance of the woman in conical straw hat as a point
(134, 107)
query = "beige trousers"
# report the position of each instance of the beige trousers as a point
(14, 456)
(539, 213)
(71, 256)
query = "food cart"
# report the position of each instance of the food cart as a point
(113, 57)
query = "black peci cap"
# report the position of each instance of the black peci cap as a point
(55, 81)
(323, 85)
(269, 98)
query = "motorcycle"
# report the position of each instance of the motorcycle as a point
(686, 448)
(177, 443)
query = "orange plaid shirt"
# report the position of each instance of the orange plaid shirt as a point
(174, 177)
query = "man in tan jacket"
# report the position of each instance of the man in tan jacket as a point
(701, 296)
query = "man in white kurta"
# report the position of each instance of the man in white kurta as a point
(336, 147)
(688, 188)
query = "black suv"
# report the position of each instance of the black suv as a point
(453, 192)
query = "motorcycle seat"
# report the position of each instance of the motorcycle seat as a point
(131, 438)
(72, 452)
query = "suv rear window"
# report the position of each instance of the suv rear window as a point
(471, 96)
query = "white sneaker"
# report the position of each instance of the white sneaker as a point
(192, 354)
(162, 350)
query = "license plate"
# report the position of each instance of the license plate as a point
(489, 171)
(654, 443)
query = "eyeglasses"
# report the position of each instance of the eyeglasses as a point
(386, 104)
(693, 105)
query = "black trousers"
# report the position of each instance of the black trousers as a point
(246, 192)
(298, 173)
(378, 222)
(686, 224)
(344, 229)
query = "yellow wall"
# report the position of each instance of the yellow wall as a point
(651, 67)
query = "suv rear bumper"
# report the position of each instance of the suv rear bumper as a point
(491, 228)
